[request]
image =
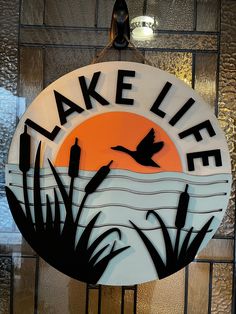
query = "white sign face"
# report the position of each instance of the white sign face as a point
(118, 174)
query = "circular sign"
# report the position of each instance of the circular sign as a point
(118, 173)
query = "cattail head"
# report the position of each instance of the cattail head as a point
(98, 178)
(182, 209)
(24, 154)
(73, 170)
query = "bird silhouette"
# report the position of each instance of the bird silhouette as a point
(144, 151)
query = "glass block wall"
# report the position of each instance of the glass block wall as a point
(43, 39)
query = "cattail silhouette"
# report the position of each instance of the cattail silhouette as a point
(176, 258)
(93, 184)
(181, 217)
(24, 162)
(182, 209)
(73, 169)
(98, 178)
(24, 166)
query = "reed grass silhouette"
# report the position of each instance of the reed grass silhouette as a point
(83, 260)
(176, 257)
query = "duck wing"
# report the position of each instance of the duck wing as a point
(145, 146)
(156, 147)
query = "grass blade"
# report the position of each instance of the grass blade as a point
(49, 223)
(26, 198)
(176, 246)
(25, 226)
(83, 241)
(167, 240)
(57, 219)
(81, 207)
(62, 190)
(101, 238)
(197, 241)
(39, 224)
(156, 258)
(183, 250)
(97, 255)
(101, 266)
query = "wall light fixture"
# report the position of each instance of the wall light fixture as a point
(142, 27)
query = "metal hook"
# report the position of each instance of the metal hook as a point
(120, 29)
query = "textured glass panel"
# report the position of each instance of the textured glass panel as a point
(217, 249)
(110, 54)
(6, 221)
(59, 61)
(93, 301)
(93, 38)
(162, 296)
(208, 15)
(227, 100)
(31, 73)
(174, 15)
(70, 12)
(13, 242)
(177, 15)
(132, 55)
(111, 300)
(135, 7)
(177, 63)
(65, 37)
(32, 12)
(179, 41)
(77, 296)
(222, 288)
(5, 284)
(129, 302)
(24, 284)
(198, 288)
(105, 8)
(8, 109)
(205, 77)
(57, 293)
(9, 18)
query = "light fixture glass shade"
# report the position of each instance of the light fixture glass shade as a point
(142, 27)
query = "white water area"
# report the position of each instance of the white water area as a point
(126, 196)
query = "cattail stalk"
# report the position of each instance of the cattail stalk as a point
(97, 179)
(181, 217)
(25, 145)
(24, 166)
(73, 170)
(93, 184)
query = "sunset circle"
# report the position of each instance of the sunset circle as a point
(98, 134)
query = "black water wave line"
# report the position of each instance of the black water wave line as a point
(154, 208)
(114, 176)
(167, 179)
(134, 208)
(129, 191)
(144, 229)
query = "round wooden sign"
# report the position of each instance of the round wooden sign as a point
(118, 173)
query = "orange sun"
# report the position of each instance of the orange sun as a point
(98, 134)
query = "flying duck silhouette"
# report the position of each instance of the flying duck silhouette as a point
(144, 151)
